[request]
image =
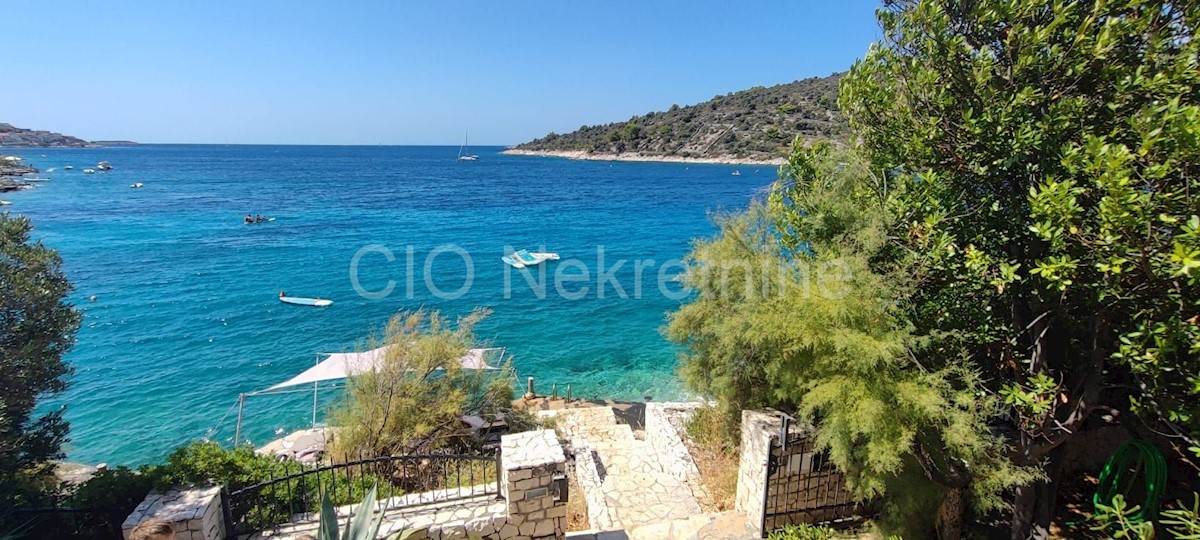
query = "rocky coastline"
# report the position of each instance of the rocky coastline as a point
(10, 171)
(637, 156)
(13, 136)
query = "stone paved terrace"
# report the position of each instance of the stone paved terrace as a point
(624, 482)
(719, 526)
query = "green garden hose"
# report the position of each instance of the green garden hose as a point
(1132, 460)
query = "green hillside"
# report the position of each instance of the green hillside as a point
(758, 124)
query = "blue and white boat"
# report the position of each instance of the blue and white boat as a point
(523, 258)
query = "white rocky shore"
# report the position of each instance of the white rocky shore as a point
(636, 156)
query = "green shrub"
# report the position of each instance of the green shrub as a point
(204, 463)
(121, 487)
(1115, 521)
(1184, 522)
(709, 428)
(802, 532)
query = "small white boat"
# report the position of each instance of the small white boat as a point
(88, 171)
(69, 168)
(36, 179)
(5, 203)
(737, 172)
(104, 166)
(136, 185)
(301, 301)
(523, 258)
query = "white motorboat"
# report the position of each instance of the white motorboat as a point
(69, 168)
(523, 258)
(136, 185)
(301, 301)
(5, 203)
(89, 171)
(104, 166)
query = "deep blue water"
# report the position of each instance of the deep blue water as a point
(186, 314)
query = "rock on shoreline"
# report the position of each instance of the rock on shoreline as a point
(635, 156)
(10, 170)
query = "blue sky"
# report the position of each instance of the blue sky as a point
(390, 72)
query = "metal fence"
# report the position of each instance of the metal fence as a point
(401, 482)
(803, 487)
(60, 522)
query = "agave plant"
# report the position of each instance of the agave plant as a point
(358, 527)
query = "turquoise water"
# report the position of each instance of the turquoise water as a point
(186, 315)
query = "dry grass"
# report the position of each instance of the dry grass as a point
(714, 448)
(577, 513)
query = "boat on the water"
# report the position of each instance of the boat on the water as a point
(36, 179)
(464, 151)
(104, 166)
(69, 168)
(5, 203)
(523, 258)
(737, 172)
(302, 301)
(136, 185)
(88, 171)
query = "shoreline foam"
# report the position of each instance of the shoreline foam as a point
(633, 156)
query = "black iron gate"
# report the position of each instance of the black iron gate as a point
(803, 487)
(400, 481)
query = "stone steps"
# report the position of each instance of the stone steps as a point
(624, 481)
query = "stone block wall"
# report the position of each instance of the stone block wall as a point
(529, 462)
(195, 512)
(759, 429)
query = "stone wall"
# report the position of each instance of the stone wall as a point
(530, 461)
(759, 429)
(666, 430)
(195, 512)
(663, 423)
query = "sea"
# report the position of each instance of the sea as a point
(180, 297)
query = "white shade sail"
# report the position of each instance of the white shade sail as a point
(342, 365)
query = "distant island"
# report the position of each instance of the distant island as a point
(28, 138)
(750, 126)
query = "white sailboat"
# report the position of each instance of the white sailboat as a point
(464, 152)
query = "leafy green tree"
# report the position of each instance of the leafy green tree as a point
(37, 327)
(415, 400)
(800, 307)
(1043, 160)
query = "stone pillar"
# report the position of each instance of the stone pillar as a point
(759, 429)
(195, 512)
(530, 460)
